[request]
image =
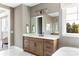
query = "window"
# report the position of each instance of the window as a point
(72, 20)
(4, 24)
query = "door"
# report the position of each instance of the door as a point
(40, 25)
(4, 31)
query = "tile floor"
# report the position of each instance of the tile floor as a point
(14, 51)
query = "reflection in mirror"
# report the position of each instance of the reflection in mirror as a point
(39, 25)
(45, 24)
(53, 19)
(47, 27)
(33, 28)
(33, 25)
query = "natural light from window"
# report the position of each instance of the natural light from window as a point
(72, 20)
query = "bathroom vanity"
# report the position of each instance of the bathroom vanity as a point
(41, 45)
(47, 43)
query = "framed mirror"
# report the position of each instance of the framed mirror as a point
(45, 24)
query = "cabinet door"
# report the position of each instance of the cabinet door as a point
(48, 47)
(39, 47)
(26, 43)
(32, 45)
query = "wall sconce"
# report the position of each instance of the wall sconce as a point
(27, 28)
(33, 28)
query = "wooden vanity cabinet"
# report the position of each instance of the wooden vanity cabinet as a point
(39, 46)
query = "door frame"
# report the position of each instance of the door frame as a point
(9, 32)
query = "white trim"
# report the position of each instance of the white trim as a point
(9, 34)
(70, 35)
(39, 16)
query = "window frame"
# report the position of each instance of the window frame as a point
(64, 21)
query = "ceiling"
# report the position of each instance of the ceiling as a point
(17, 4)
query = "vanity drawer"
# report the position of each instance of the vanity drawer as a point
(48, 41)
(48, 46)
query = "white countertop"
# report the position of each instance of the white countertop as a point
(52, 37)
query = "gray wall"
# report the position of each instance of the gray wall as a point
(22, 17)
(26, 17)
(18, 26)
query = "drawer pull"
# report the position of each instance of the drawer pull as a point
(48, 47)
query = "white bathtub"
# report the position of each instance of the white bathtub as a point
(67, 51)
